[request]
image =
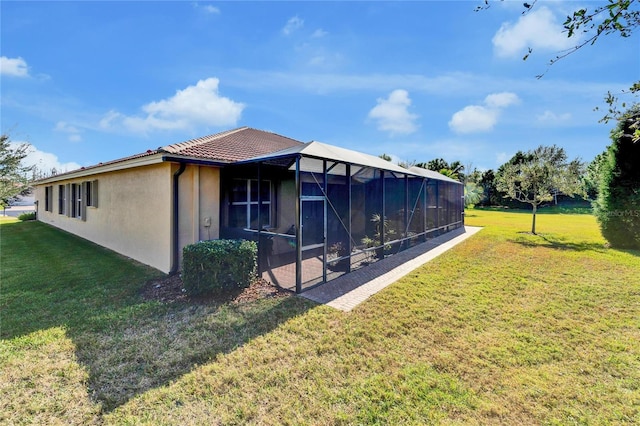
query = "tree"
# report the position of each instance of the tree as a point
(472, 194)
(593, 173)
(473, 176)
(539, 175)
(439, 165)
(406, 163)
(587, 25)
(618, 205)
(436, 165)
(13, 175)
(490, 192)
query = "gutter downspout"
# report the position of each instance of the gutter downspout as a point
(175, 261)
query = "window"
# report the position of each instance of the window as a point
(62, 199)
(243, 208)
(91, 193)
(48, 198)
(76, 200)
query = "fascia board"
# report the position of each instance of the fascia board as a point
(106, 168)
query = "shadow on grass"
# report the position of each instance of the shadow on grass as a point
(540, 240)
(127, 345)
(546, 210)
(138, 348)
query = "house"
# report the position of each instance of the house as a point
(317, 211)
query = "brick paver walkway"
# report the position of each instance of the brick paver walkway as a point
(348, 291)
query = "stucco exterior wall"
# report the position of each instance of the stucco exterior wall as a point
(286, 211)
(132, 217)
(199, 201)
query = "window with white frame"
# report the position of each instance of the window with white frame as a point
(76, 200)
(243, 204)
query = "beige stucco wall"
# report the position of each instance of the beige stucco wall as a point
(133, 216)
(199, 215)
(286, 211)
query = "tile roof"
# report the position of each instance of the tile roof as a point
(232, 145)
(229, 146)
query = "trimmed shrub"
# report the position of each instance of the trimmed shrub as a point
(218, 266)
(617, 207)
(27, 216)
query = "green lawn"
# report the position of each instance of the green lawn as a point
(506, 328)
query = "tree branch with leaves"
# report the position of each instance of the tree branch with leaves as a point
(588, 25)
(539, 175)
(14, 176)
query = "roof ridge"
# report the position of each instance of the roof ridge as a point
(176, 147)
(275, 134)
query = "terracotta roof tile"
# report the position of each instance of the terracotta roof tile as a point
(232, 145)
(229, 146)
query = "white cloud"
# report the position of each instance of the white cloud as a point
(45, 161)
(211, 9)
(16, 67)
(551, 117)
(473, 118)
(319, 33)
(73, 132)
(196, 105)
(501, 100)
(293, 24)
(482, 118)
(392, 114)
(207, 8)
(537, 30)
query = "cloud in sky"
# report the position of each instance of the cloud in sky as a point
(72, 131)
(211, 9)
(538, 30)
(45, 161)
(319, 33)
(392, 114)
(196, 105)
(15, 67)
(207, 8)
(293, 24)
(552, 117)
(482, 118)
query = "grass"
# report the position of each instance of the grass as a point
(505, 328)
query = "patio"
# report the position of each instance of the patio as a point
(319, 212)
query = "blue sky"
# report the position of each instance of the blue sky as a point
(86, 82)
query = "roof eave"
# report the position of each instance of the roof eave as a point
(195, 160)
(105, 168)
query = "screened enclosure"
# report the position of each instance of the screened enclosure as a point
(319, 211)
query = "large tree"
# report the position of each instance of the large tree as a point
(618, 205)
(453, 170)
(593, 173)
(536, 176)
(14, 176)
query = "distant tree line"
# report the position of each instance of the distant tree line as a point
(543, 176)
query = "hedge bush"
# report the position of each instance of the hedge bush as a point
(27, 216)
(218, 266)
(618, 205)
